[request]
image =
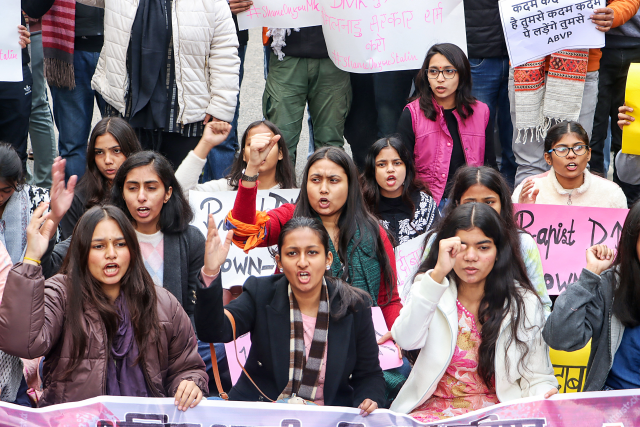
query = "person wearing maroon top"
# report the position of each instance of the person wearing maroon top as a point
(330, 191)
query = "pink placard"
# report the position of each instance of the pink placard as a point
(387, 351)
(564, 233)
(244, 344)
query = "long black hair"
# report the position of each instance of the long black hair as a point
(354, 215)
(501, 294)
(350, 297)
(285, 174)
(84, 290)
(11, 170)
(93, 184)
(626, 297)
(176, 214)
(464, 99)
(412, 184)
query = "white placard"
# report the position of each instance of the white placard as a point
(408, 257)
(281, 14)
(534, 29)
(10, 50)
(370, 36)
(238, 266)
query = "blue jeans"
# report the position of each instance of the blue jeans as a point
(73, 112)
(491, 85)
(223, 366)
(220, 159)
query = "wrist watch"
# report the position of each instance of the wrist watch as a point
(246, 178)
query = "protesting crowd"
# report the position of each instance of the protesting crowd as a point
(107, 287)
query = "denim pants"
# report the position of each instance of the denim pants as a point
(614, 66)
(15, 109)
(223, 366)
(378, 101)
(43, 137)
(73, 112)
(529, 153)
(491, 85)
(220, 158)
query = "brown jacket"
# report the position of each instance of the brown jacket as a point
(32, 316)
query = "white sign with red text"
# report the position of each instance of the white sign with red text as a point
(10, 50)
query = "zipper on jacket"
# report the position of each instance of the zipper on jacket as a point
(176, 51)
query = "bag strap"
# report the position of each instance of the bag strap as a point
(216, 373)
(235, 346)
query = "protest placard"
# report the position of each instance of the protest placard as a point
(238, 266)
(534, 29)
(241, 350)
(368, 36)
(10, 50)
(631, 132)
(281, 14)
(408, 256)
(564, 233)
(617, 408)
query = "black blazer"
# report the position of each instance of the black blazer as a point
(353, 371)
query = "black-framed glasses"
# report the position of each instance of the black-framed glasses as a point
(434, 73)
(578, 150)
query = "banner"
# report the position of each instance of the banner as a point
(534, 29)
(408, 256)
(368, 36)
(10, 50)
(238, 266)
(595, 409)
(564, 233)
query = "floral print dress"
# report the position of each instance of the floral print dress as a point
(460, 389)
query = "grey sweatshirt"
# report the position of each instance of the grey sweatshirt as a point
(583, 312)
(624, 36)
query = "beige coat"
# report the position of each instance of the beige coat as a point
(206, 51)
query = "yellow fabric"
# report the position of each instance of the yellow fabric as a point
(570, 368)
(249, 236)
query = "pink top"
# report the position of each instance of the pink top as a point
(460, 389)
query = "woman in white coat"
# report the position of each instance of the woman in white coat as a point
(476, 320)
(168, 67)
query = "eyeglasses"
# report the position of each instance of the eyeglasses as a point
(578, 150)
(434, 73)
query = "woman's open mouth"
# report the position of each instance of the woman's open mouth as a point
(572, 166)
(324, 203)
(391, 180)
(111, 269)
(143, 211)
(304, 277)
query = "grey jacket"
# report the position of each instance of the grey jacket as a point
(183, 259)
(583, 312)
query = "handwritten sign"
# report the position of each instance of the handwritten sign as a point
(536, 28)
(281, 14)
(368, 36)
(238, 266)
(243, 344)
(564, 233)
(408, 257)
(10, 50)
(387, 351)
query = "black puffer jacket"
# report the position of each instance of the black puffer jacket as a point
(485, 38)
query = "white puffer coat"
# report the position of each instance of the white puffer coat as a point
(206, 51)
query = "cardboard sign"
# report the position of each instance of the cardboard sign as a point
(10, 50)
(534, 29)
(243, 344)
(631, 132)
(564, 233)
(238, 266)
(281, 14)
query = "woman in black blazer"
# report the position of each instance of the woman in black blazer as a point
(353, 376)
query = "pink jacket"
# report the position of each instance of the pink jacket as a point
(434, 143)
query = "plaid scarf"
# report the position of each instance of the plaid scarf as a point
(538, 107)
(58, 42)
(303, 376)
(364, 267)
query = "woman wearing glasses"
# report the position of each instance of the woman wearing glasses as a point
(443, 125)
(567, 151)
